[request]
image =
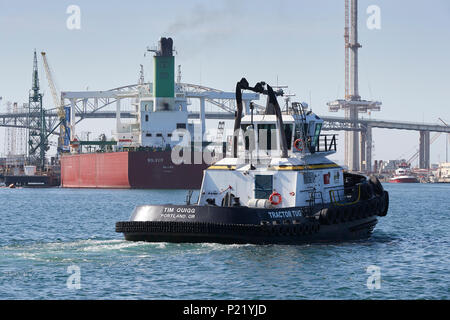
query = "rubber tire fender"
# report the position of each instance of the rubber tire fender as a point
(340, 215)
(347, 213)
(333, 215)
(365, 195)
(386, 204)
(324, 216)
(376, 185)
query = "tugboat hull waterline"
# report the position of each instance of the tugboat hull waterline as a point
(282, 192)
(195, 224)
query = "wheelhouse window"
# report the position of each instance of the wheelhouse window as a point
(288, 132)
(246, 131)
(317, 134)
(267, 136)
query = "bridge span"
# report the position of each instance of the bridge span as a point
(94, 105)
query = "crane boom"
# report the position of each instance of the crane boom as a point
(51, 84)
(59, 104)
(443, 122)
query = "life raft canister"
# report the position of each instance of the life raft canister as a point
(297, 144)
(278, 196)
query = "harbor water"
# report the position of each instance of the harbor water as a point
(49, 235)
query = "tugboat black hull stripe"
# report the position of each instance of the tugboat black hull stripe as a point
(295, 225)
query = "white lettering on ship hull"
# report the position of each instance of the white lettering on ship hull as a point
(285, 214)
(178, 213)
(177, 216)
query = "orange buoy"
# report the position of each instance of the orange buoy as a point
(275, 195)
(297, 144)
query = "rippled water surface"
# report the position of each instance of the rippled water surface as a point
(45, 231)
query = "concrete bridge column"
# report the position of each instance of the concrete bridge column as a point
(369, 149)
(363, 141)
(424, 150)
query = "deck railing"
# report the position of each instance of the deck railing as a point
(326, 143)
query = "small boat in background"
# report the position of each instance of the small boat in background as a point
(404, 175)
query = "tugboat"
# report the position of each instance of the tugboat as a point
(276, 187)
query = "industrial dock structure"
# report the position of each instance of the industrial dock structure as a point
(139, 153)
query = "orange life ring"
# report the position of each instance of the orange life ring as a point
(296, 142)
(275, 194)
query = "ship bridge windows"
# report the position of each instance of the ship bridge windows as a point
(317, 134)
(267, 136)
(288, 128)
(181, 125)
(249, 137)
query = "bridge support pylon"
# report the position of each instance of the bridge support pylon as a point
(424, 150)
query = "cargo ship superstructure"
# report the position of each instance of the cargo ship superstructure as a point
(141, 153)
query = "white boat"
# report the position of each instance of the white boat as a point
(404, 175)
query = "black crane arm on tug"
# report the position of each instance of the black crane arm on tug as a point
(272, 107)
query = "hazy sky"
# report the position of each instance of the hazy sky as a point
(405, 65)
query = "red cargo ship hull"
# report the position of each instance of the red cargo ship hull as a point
(129, 170)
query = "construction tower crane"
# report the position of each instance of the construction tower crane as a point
(59, 104)
(347, 49)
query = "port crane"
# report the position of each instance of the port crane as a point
(59, 105)
(37, 138)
